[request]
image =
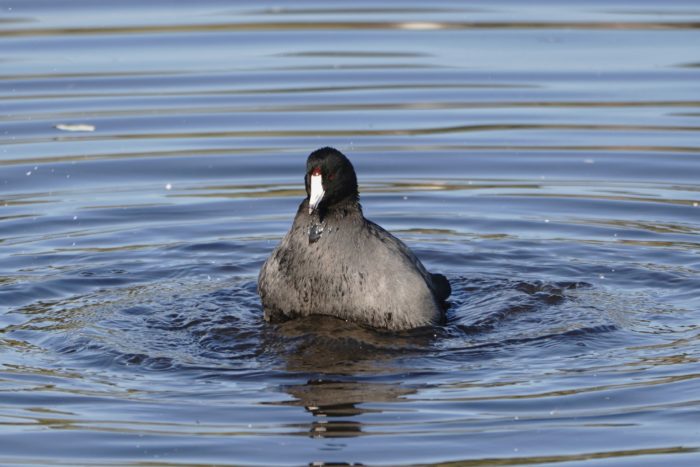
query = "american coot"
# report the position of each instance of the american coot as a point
(335, 262)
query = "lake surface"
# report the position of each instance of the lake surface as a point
(545, 157)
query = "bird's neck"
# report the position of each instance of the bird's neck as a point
(347, 207)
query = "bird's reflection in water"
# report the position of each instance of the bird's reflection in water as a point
(346, 364)
(332, 403)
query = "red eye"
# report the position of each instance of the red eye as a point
(316, 171)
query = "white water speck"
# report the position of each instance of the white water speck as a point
(168, 186)
(405, 198)
(589, 161)
(29, 172)
(602, 276)
(67, 176)
(546, 221)
(75, 218)
(75, 127)
(73, 243)
(695, 204)
(419, 26)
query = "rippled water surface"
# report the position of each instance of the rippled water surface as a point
(544, 156)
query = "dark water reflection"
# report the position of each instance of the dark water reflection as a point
(544, 157)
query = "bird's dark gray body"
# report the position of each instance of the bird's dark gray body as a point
(335, 262)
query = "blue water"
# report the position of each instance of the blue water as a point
(544, 156)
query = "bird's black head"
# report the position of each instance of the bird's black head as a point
(330, 180)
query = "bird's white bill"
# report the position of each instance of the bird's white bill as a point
(317, 192)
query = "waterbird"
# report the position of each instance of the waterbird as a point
(333, 261)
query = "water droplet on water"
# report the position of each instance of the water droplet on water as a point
(695, 204)
(75, 218)
(28, 173)
(168, 186)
